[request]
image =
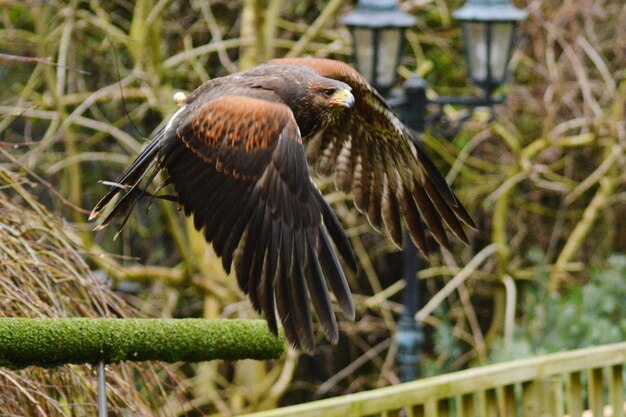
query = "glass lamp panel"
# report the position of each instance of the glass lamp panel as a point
(478, 51)
(388, 53)
(364, 49)
(476, 45)
(501, 39)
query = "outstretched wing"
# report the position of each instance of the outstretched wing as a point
(238, 165)
(375, 157)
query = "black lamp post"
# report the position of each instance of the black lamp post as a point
(378, 29)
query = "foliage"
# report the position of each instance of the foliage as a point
(548, 173)
(581, 316)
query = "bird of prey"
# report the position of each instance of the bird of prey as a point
(237, 154)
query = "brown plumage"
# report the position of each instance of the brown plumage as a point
(236, 153)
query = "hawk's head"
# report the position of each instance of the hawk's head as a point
(315, 101)
(319, 102)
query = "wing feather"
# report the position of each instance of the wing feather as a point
(267, 264)
(332, 225)
(298, 291)
(414, 221)
(362, 183)
(391, 211)
(334, 273)
(377, 180)
(430, 216)
(260, 277)
(345, 166)
(318, 289)
(233, 226)
(251, 252)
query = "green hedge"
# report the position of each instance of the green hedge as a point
(53, 342)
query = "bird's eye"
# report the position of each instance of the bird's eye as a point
(328, 92)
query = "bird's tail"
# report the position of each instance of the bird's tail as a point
(130, 185)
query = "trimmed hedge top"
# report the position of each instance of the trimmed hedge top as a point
(58, 341)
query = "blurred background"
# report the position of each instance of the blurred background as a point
(85, 84)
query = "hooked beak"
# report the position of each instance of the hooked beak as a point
(343, 98)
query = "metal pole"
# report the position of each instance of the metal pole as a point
(415, 102)
(410, 337)
(102, 391)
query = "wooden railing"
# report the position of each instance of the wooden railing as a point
(544, 386)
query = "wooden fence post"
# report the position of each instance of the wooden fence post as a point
(543, 398)
(574, 395)
(465, 405)
(431, 408)
(488, 404)
(596, 392)
(510, 404)
(617, 390)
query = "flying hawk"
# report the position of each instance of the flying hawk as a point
(236, 153)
